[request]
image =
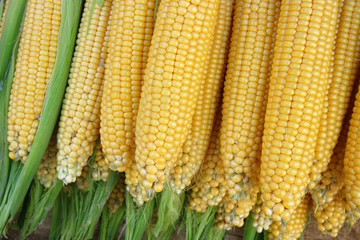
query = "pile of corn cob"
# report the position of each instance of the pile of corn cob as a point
(242, 105)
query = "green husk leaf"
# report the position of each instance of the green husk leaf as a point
(70, 14)
(10, 33)
(137, 219)
(5, 88)
(250, 231)
(2, 5)
(215, 234)
(157, 2)
(110, 222)
(60, 212)
(41, 202)
(95, 201)
(199, 224)
(169, 210)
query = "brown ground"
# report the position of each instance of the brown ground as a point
(311, 233)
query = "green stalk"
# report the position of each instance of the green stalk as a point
(70, 14)
(110, 222)
(249, 232)
(199, 224)
(169, 209)
(137, 219)
(42, 200)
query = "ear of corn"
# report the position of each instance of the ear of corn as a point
(351, 163)
(198, 139)
(209, 186)
(171, 87)
(345, 67)
(80, 116)
(296, 224)
(131, 29)
(298, 86)
(8, 62)
(245, 97)
(332, 180)
(17, 188)
(331, 215)
(35, 63)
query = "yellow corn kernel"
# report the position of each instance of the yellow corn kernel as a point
(245, 99)
(296, 224)
(209, 184)
(344, 72)
(35, 62)
(298, 86)
(332, 180)
(172, 78)
(233, 209)
(131, 29)
(331, 215)
(80, 115)
(197, 142)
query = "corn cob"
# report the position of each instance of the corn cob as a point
(331, 215)
(80, 116)
(209, 185)
(171, 86)
(34, 66)
(2, 20)
(351, 164)
(47, 168)
(245, 97)
(117, 196)
(210, 93)
(298, 86)
(346, 64)
(332, 179)
(130, 35)
(296, 224)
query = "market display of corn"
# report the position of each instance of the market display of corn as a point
(150, 114)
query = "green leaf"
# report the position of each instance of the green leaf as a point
(70, 14)
(249, 231)
(137, 219)
(42, 200)
(110, 222)
(198, 224)
(169, 209)
(9, 33)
